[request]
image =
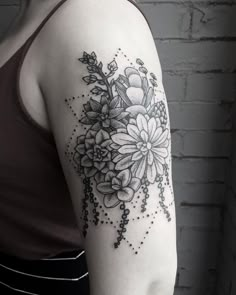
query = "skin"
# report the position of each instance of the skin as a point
(141, 259)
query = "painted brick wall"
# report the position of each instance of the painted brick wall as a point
(196, 41)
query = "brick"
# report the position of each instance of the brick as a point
(207, 144)
(233, 184)
(234, 117)
(231, 206)
(178, 17)
(199, 170)
(220, 289)
(227, 266)
(195, 278)
(198, 240)
(229, 237)
(211, 87)
(174, 86)
(198, 194)
(199, 116)
(192, 56)
(176, 144)
(198, 217)
(187, 291)
(234, 285)
(199, 261)
(214, 21)
(227, 273)
(231, 180)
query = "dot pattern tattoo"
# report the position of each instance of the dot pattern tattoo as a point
(123, 151)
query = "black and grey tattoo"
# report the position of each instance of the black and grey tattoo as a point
(122, 153)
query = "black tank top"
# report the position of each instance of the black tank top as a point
(36, 213)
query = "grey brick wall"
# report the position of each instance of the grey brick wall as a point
(196, 41)
(227, 264)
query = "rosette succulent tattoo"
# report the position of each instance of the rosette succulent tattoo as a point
(124, 147)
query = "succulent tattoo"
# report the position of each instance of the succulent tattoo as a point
(123, 151)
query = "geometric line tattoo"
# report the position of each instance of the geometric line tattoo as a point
(122, 153)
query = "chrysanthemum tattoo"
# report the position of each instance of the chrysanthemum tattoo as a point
(120, 147)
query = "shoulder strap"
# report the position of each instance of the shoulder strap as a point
(35, 33)
(30, 39)
(27, 44)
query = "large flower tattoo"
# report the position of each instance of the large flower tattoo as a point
(144, 146)
(118, 188)
(135, 91)
(104, 114)
(96, 153)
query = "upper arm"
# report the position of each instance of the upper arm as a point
(109, 115)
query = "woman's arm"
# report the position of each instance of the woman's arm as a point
(103, 89)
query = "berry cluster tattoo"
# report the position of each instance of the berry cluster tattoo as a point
(123, 150)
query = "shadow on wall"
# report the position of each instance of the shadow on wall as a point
(8, 11)
(227, 264)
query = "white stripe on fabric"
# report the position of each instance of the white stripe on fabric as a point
(42, 277)
(68, 258)
(18, 290)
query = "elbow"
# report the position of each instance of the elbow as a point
(164, 284)
(158, 289)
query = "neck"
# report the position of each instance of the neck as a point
(34, 7)
(28, 10)
(29, 6)
(26, 5)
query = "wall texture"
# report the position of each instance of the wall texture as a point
(196, 42)
(226, 284)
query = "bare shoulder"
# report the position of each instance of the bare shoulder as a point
(103, 25)
(92, 14)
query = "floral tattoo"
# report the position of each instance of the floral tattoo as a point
(123, 151)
